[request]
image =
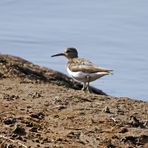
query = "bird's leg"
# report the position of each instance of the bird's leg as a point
(87, 85)
(84, 86)
(88, 88)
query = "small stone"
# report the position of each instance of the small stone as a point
(145, 124)
(34, 129)
(19, 130)
(106, 110)
(35, 95)
(135, 122)
(74, 134)
(123, 130)
(39, 115)
(9, 121)
(37, 141)
(10, 97)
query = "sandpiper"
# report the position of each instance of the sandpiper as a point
(82, 70)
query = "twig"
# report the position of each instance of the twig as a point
(8, 139)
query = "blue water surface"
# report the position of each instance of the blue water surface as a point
(110, 33)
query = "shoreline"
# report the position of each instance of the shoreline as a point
(41, 107)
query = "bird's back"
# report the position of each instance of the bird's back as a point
(86, 66)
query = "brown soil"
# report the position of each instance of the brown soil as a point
(44, 108)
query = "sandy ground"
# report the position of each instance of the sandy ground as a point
(43, 108)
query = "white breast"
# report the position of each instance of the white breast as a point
(75, 75)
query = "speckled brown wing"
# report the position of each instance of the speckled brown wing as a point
(83, 65)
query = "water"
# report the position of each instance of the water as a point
(111, 33)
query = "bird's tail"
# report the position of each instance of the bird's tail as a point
(101, 69)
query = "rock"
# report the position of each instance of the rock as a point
(39, 115)
(106, 109)
(123, 130)
(9, 121)
(19, 130)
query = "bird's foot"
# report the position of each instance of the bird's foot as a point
(87, 89)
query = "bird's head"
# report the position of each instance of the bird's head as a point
(68, 53)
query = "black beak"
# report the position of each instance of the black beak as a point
(59, 54)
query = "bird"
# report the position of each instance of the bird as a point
(82, 70)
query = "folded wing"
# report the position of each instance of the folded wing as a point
(86, 66)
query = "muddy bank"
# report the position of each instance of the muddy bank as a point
(40, 107)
